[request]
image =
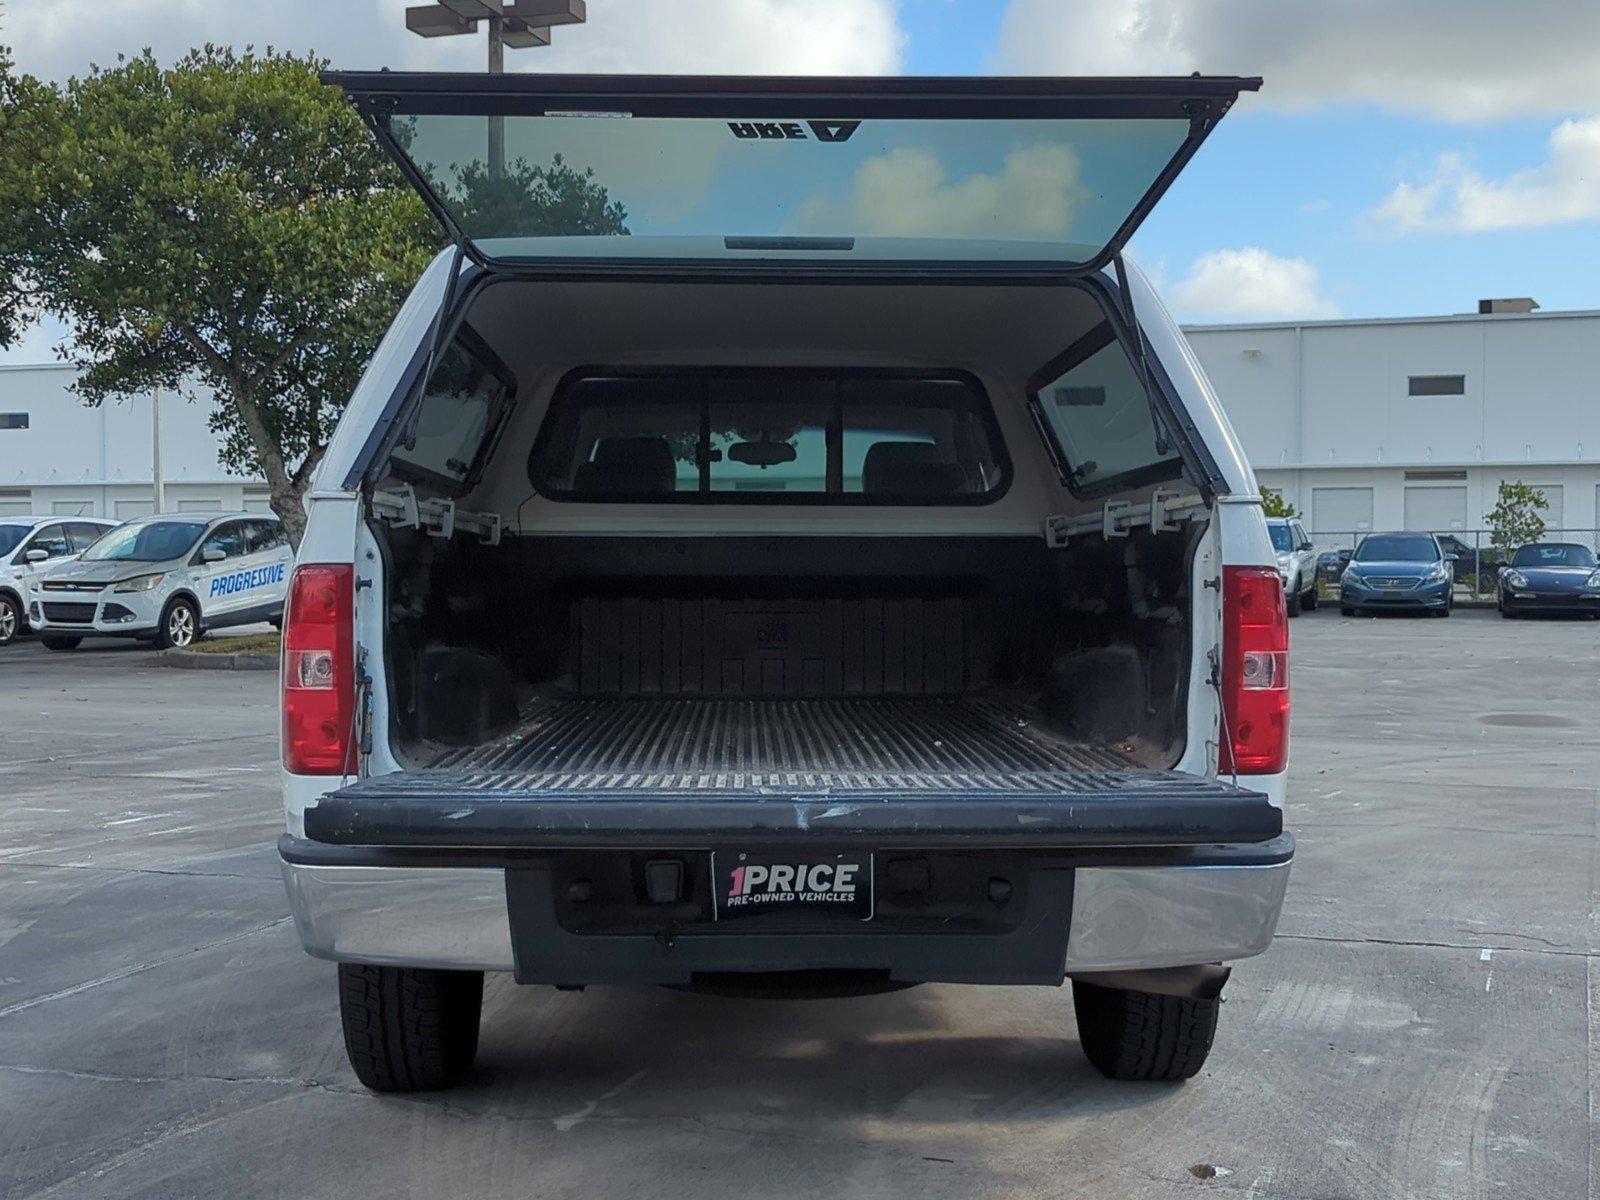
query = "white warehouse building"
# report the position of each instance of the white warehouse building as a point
(1412, 423)
(57, 455)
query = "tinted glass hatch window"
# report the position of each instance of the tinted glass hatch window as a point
(1553, 554)
(765, 436)
(1009, 187)
(459, 411)
(1397, 548)
(1098, 413)
(155, 541)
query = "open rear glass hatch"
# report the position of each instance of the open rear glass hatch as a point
(1011, 171)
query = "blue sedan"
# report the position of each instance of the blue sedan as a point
(1551, 577)
(1399, 571)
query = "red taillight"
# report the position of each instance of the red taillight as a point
(1255, 672)
(318, 678)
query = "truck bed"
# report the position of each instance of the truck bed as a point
(974, 743)
(632, 772)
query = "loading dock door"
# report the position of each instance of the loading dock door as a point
(1436, 509)
(1554, 512)
(1337, 513)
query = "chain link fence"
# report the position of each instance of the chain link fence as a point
(1478, 560)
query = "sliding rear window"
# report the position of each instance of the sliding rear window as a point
(769, 437)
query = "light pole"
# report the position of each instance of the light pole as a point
(515, 23)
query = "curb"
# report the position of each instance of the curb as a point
(186, 660)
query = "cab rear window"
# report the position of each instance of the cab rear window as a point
(769, 436)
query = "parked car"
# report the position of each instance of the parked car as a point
(805, 613)
(166, 579)
(1550, 577)
(1297, 562)
(29, 545)
(1331, 564)
(1397, 571)
(1482, 562)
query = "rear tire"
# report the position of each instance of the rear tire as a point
(1292, 600)
(1141, 1035)
(52, 641)
(409, 1029)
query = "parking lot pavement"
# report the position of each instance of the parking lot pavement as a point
(1422, 1027)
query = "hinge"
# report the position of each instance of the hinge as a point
(1116, 518)
(437, 518)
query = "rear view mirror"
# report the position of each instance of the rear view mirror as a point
(761, 454)
(1305, 546)
(212, 554)
(37, 555)
(1452, 558)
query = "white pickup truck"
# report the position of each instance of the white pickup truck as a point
(784, 548)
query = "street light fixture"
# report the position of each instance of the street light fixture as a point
(515, 23)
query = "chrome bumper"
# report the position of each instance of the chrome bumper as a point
(1123, 918)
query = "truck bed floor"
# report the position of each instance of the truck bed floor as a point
(840, 742)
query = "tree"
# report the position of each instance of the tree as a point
(532, 201)
(1515, 519)
(227, 222)
(1274, 505)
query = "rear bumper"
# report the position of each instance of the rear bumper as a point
(1090, 910)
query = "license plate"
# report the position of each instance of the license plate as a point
(785, 889)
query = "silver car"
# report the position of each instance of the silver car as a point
(1297, 562)
(166, 578)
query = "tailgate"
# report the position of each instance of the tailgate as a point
(1056, 809)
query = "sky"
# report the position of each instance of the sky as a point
(1403, 157)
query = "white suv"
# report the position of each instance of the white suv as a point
(1297, 562)
(846, 580)
(31, 545)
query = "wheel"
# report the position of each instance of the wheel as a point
(1310, 600)
(180, 625)
(1346, 611)
(1140, 1035)
(1448, 605)
(10, 620)
(409, 1029)
(1292, 600)
(55, 641)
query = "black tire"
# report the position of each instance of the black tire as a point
(1143, 1036)
(409, 1029)
(55, 641)
(11, 620)
(1292, 600)
(1346, 611)
(1310, 600)
(179, 627)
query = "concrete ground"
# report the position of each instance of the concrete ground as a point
(1422, 1027)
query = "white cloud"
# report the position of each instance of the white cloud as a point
(908, 192)
(1251, 284)
(62, 37)
(1456, 59)
(1454, 198)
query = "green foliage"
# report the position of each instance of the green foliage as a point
(228, 220)
(1515, 519)
(1274, 505)
(532, 201)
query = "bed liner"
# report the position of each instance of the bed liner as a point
(640, 773)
